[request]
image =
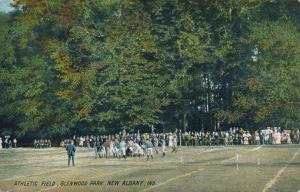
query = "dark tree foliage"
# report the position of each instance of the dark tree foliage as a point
(77, 67)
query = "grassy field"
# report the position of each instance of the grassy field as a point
(232, 168)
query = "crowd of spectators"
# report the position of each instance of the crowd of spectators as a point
(41, 143)
(8, 142)
(136, 144)
(233, 136)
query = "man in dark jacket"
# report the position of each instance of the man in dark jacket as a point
(71, 152)
(98, 149)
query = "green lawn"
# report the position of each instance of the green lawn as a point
(266, 168)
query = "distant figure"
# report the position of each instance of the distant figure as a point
(245, 139)
(49, 143)
(71, 152)
(62, 143)
(1, 143)
(257, 138)
(171, 140)
(155, 142)
(149, 150)
(15, 142)
(98, 149)
(35, 143)
(81, 140)
(174, 141)
(6, 142)
(87, 140)
(106, 146)
(123, 147)
(9, 143)
(137, 150)
(163, 145)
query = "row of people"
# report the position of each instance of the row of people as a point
(129, 147)
(124, 147)
(42, 143)
(234, 136)
(8, 142)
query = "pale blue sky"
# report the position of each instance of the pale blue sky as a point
(4, 5)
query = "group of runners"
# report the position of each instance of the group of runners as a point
(123, 146)
(128, 145)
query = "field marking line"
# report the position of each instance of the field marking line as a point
(41, 173)
(184, 175)
(274, 179)
(210, 150)
(256, 148)
(172, 179)
(35, 159)
(177, 177)
(38, 159)
(205, 151)
(59, 170)
(233, 158)
(187, 174)
(45, 172)
(114, 162)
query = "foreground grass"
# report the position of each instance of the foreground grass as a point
(190, 169)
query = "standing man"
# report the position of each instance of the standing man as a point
(106, 145)
(49, 143)
(9, 143)
(6, 142)
(155, 142)
(123, 147)
(163, 145)
(174, 141)
(149, 150)
(71, 152)
(15, 142)
(180, 137)
(98, 149)
(297, 139)
(0, 143)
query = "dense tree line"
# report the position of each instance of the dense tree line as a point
(72, 66)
